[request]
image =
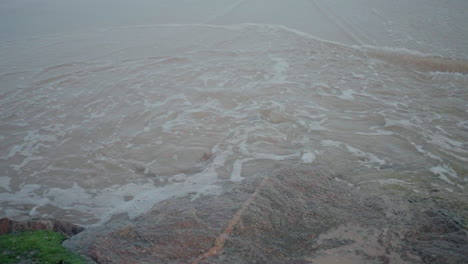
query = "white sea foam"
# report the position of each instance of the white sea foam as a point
(444, 170)
(308, 157)
(366, 158)
(5, 183)
(153, 112)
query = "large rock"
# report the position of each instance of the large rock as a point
(296, 215)
(9, 226)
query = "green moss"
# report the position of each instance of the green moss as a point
(41, 246)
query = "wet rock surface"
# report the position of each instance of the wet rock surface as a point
(294, 215)
(10, 226)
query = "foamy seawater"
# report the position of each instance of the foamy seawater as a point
(113, 121)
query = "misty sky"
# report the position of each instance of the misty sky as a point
(429, 26)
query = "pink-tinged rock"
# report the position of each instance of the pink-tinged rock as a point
(9, 226)
(293, 215)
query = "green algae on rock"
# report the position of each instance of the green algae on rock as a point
(40, 246)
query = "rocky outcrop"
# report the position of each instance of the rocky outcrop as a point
(295, 215)
(9, 226)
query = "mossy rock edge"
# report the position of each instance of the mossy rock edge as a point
(39, 246)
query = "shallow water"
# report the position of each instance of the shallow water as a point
(113, 121)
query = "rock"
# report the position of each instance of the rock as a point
(9, 226)
(271, 219)
(438, 239)
(294, 215)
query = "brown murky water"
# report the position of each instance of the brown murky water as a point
(113, 121)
